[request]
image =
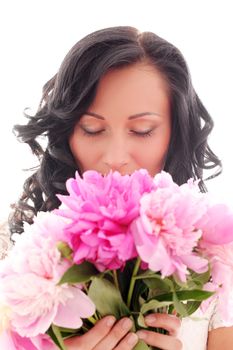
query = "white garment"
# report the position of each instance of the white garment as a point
(194, 329)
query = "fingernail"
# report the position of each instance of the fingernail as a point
(141, 335)
(126, 323)
(110, 321)
(132, 339)
(150, 319)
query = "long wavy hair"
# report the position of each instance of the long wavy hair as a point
(68, 94)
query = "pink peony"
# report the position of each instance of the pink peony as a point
(216, 244)
(165, 233)
(28, 282)
(221, 262)
(217, 224)
(12, 341)
(101, 210)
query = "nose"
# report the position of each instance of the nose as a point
(116, 156)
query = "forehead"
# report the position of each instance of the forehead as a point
(131, 89)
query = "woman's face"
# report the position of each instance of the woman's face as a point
(128, 125)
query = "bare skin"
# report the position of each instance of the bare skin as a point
(220, 338)
(117, 336)
(127, 126)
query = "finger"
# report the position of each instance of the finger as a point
(90, 339)
(169, 322)
(119, 330)
(128, 342)
(162, 341)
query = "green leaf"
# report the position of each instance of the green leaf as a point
(178, 283)
(194, 280)
(192, 306)
(154, 304)
(79, 273)
(157, 283)
(180, 308)
(147, 274)
(193, 298)
(194, 294)
(141, 345)
(141, 321)
(199, 278)
(107, 298)
(185, 309)
(57, 333)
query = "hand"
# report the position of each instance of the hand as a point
(107, 334)
(164, 342)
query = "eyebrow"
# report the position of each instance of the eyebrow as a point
(138, 115)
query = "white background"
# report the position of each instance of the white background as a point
(36, 35)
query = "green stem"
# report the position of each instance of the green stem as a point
(58, 336)
(116, 279)
(85, 329)
(132, 281)
(96, 317)
(92, 320)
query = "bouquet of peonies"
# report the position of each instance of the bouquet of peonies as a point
(117, 245)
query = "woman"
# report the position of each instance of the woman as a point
(121, 100)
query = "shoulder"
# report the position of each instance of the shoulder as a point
(220, 338)
(220, 334)
(5, 242)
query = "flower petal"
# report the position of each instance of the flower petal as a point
(69, 315)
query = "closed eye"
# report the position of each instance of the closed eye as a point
(142, 133)
(91, 133)
(134, 132)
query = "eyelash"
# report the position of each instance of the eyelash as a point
(97, 133)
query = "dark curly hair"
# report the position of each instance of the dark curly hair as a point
(70, 92)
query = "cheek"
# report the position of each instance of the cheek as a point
(151, 155)
(149, 158)
(83, 151)
(76, 147)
